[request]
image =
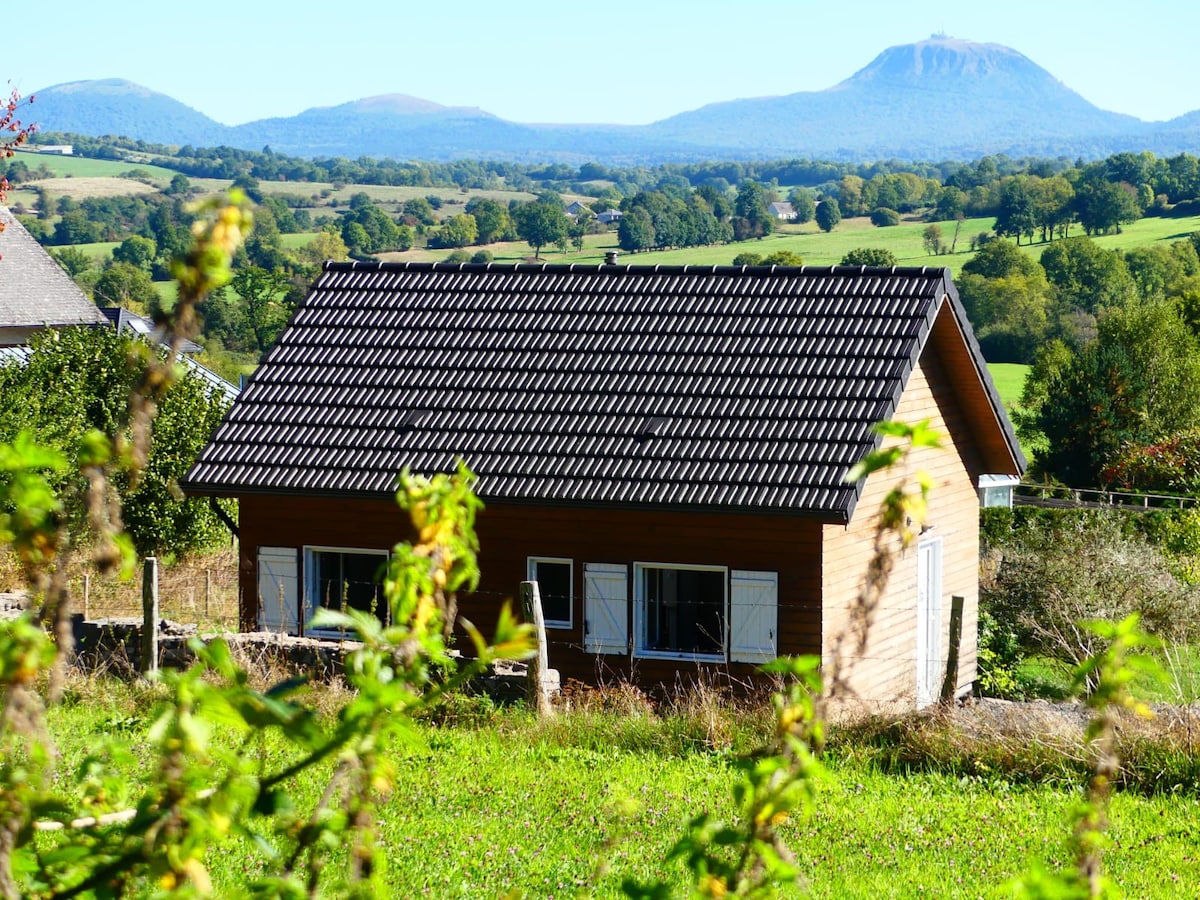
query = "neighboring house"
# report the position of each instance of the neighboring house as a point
(124, 320)
(662, 448)
(781, 210)
(35, 292)
(609, 216)
(576, 208)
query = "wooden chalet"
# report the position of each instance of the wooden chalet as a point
(662, 448)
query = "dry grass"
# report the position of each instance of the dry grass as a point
(201, 590)
(96, 186)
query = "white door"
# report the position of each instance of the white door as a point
(278, 590)
(605, 608)
(929, 621)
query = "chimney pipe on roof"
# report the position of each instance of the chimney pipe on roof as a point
(610, 257)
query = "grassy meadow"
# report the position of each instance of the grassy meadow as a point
(1010, 381)
(81, 167)
(494, 801)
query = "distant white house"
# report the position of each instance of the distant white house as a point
(55, 149)
(576, 208)
(781, 210)
(609, 216)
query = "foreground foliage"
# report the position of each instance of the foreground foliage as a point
(491, 800)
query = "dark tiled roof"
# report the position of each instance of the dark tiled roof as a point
(729, 388)
(34, 290)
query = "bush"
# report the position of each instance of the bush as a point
(1042, 582)
(748, 259)
(870, 256)
(882, 217)
(482, 256)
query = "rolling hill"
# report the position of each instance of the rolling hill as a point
(940, 98)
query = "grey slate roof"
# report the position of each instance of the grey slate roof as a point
(687, 387)
(123, 320)
(34, 290)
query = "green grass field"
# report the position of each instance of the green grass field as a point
(79, 167)
(570, 808)
(1010, 381)
(816, 247)
(820, 249)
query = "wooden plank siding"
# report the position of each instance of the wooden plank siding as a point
(511, 533)
(790, 546)
(886, 675)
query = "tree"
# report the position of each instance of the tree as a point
(783, 258)
(456, 231)
(492, 221)
(137, 251)
(539, 224)
(849, 197)
(74, 261)
(121, 284)
(803, 205)
(870, 256)
(1103, 206)
(267, 309)
(1137, 383)
(77, 379)
(636, 230)
(179, 185)
(751, 219)
(999, 259)
(1052, 200)
(325, 245)
(1015, 216)
(931, 239)
(1087, 276)
(828, 214)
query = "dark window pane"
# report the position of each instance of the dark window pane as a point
(554, 586)
(350, 580)
(684, 610)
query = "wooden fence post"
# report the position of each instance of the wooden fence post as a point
(950, 685)
(149, 660)
(87, 595)
(207, 590)
(531, 607)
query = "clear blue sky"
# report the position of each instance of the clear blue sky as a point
(616, 61)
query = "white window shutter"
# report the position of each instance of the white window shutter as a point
(278, 589)
(753, 616)
(605, 608)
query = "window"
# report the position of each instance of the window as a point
(344, 579)
(680, 610)
(554, 578)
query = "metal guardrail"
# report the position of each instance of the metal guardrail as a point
(1051, 495)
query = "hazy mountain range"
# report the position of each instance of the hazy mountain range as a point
(937, 99)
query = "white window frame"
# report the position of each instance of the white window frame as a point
(639, 613)
(311, 599)
(531, 573)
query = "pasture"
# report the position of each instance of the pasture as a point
(1010, 381)
(492, 802)
(93, 186)
(81, 167)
